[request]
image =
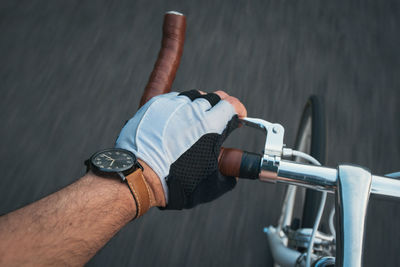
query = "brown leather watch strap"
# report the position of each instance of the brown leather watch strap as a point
(140, 191)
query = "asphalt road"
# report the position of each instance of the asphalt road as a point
(72, 72)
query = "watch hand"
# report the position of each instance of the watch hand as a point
(108, 157)
(112, 162)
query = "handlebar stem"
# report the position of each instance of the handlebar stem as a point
(352, 196)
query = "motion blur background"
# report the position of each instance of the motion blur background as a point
(72, 73)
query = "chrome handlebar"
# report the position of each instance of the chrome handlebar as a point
(322, 178)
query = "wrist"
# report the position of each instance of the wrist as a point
(125, 198)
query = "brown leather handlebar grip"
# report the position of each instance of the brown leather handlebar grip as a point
(169, 57)
(238, 163)
(229, 161)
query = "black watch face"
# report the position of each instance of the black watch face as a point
(114, 160)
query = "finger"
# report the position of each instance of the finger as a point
(218, 116)
(239, 107)
(221, 94)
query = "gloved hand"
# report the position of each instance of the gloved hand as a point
(179, 136)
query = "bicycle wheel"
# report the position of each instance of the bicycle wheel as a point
(311, 139)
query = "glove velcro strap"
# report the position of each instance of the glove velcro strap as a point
(140, 191)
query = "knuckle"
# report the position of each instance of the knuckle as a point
(233, 100)
(240, 108)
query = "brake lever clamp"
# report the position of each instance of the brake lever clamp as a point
(274, 146)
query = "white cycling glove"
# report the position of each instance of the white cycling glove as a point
(179, 136)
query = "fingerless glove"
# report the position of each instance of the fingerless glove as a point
(179, 136)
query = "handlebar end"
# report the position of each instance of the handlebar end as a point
(174, 13)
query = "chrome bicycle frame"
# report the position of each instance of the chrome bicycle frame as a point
(351, 184)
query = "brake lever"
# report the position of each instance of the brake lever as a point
(274, 135)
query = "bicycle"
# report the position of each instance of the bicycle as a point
(292, 244)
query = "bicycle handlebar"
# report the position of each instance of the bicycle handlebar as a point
(270, 167)
(310, 176)
(238, 163)
(169, 57)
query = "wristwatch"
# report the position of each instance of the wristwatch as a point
(123, 163)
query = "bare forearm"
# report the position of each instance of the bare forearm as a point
(67, 227)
